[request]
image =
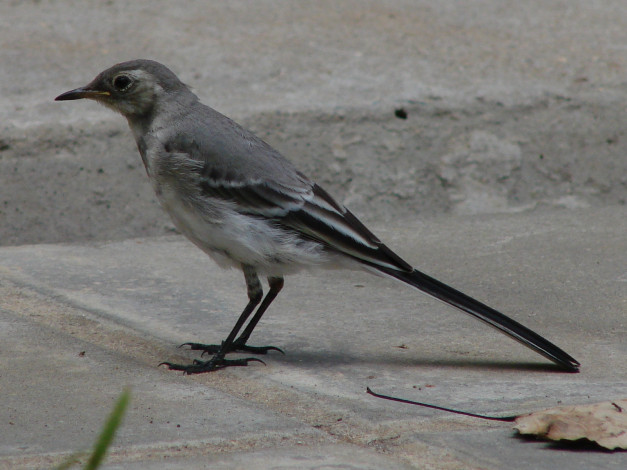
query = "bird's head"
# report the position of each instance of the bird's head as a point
(132, 88)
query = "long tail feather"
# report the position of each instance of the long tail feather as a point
(512, 328)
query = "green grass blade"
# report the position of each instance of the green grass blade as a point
(108, 431)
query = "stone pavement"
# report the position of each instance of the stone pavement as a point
(82, 321)
(508, 180)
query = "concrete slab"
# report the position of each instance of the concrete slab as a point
(297, 458)
(321, 55)
(129, 304)
(510, 104)
(57, 391)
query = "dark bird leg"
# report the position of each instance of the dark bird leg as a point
(255, 294)
(239, 345)
(276, 284)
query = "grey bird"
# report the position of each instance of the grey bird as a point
(246, 206)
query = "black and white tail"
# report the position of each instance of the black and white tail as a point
(512, 328)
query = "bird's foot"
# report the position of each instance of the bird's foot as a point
(238, 346)
(213, 364)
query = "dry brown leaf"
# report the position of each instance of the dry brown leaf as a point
(604, 423)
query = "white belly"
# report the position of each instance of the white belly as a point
(233, 239)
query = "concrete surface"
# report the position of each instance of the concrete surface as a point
(510, 104)
(508, 179)
(80, 322)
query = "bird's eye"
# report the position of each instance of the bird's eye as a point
(122, 82)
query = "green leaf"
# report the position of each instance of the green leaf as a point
(108, 431)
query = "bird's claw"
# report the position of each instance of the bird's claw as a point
(237, 347)
(213, 364)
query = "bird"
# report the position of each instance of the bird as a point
(247, 206)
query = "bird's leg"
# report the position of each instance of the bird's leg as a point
(255, 294)
(276, 284)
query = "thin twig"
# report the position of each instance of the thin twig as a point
(435, 407)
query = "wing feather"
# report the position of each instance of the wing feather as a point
(308, 210)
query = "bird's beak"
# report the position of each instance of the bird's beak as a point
(83, 92)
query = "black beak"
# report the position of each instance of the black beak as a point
(83, 92)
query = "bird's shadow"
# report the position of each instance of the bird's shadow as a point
(579, 445)
(299, 358)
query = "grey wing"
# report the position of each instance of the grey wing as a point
(307, 209)
(236, 166)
